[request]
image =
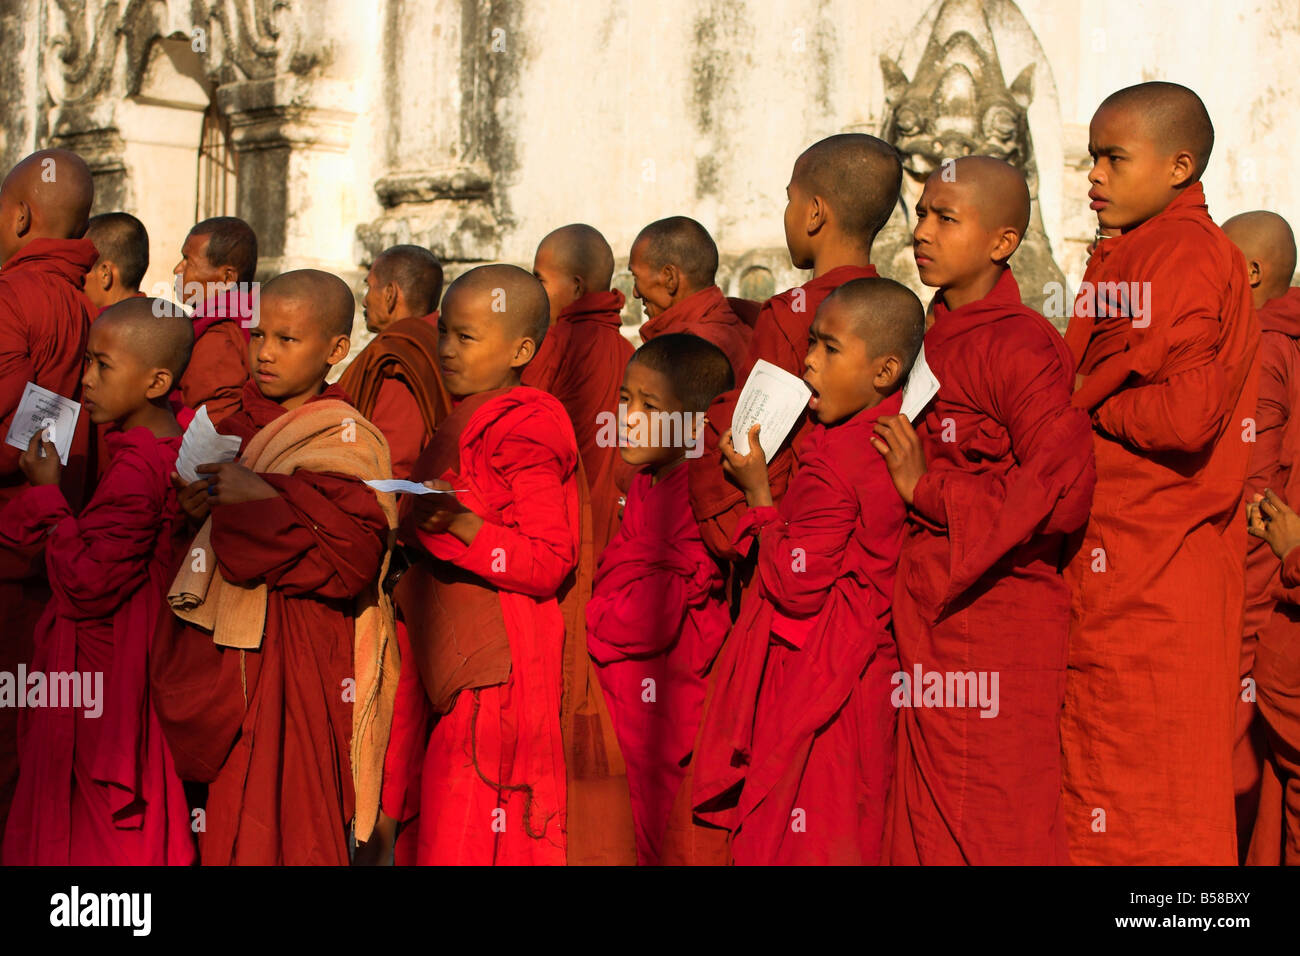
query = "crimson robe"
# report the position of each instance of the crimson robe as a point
(1279, 398)
(657, 614)
(796, 749)
(518, 466)
(1158, 585)
(44, 322)
(581, 362)
(218, 366)
(1009, 473)
(708, 314)
(101, 789)
(277, 753)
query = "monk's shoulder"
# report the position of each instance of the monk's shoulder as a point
(140, 465)
(1183, 250)
(527, 417)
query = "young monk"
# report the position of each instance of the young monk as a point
(123, 247)
(277, 688)
(674, 262)
(97, 785)
(797, 745)
(1266, 241)
(582, 361)
(657, 613)
(1168, 371)
(497, 553)
(395, 381)
(44, 320)
(996, 471)
(215, 272)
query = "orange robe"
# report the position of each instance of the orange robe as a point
(1157, 586)
(708, 314)
(581, 362)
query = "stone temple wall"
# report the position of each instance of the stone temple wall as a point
(476, 126)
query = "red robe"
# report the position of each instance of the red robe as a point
(218, 365)
(657, 613)
(1279, 399)
(44, 323)
(101, 790)
(278, 758)
(707, 314)
(581, 362)
(797, 745)
(1158, 585)
(518, 462)
(1009, 473)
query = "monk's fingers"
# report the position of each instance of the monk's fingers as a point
(755, 446)
(1275, 504)
(884, 428)
(437, 484)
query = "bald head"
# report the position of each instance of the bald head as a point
(516, 296)
(885, 314)
(324, 296)
(1267, 242)
(1173, 117)
(46, 196)
(682, 242)
(123, 243)
(158, 335)
(582, 252)
(994, 187)
(416, 272)
(858, 176)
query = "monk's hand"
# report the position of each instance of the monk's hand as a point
(1272, 519)
(898, 442)
(1078, 382)
(435, 513)
(193, 497)
(40, 462)
(231, 483)
(749, 472)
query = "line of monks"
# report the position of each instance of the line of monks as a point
(665, 650)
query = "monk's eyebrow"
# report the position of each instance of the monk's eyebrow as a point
(944, 210)
(1108, 150)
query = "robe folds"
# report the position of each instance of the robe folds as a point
(656, 619)
(219, 366)
(44, 322)
(271, 729)
(99, 788)
(708, 314)
(797, 745)
(1275, 425)
(780, 337)
(1166, 338)
(979, 594)
(395, 383)
(581, 362)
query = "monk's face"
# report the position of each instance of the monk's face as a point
(951, 242)
(798, 208)
(648, 392)
(374, 307)
(1132, 178)
(199, 278)
(562, 287)
(649, 285)
(478, 349)
(839, 366)
(116, 382)
(290, 351)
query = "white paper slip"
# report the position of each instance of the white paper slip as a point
(773, 398)
(39, 408)
(204, 445)
(403, 487)
(920, 388)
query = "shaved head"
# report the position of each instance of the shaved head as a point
(698, 371)
(155, 333)
(858, 176)
(1265, 239)
(886, 315)
(521, 297)
(1173, 117)
(326, 297)
(46, 196)
(583, 252)
(231, 242)
(684, 243)
(121, 240)
(996, 188)
(416, 271)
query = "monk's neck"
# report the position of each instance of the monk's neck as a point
(838, 256)
(663, 471)
(301, 399)
(158, 419)
(971, 290)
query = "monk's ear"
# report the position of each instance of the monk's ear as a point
(1254, 274)
(228, 274)
(104, 274)
(671, 278)
(888, 373)
(524, 352)
(22, 218)
(161, 383)
(818, 214)
(1007, 242)
(391, 294)
(339, 350)
(1182, 168)
(579, 287)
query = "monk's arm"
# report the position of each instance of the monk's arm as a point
(1272, 413)
(16, 371)
(1048, 488)
(323, 535)
(717, 503)
(216, 374)
(641, 604)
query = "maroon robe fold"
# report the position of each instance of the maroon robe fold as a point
(1009, 473)
(218, 366)
(100, 789)
(708, 314)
